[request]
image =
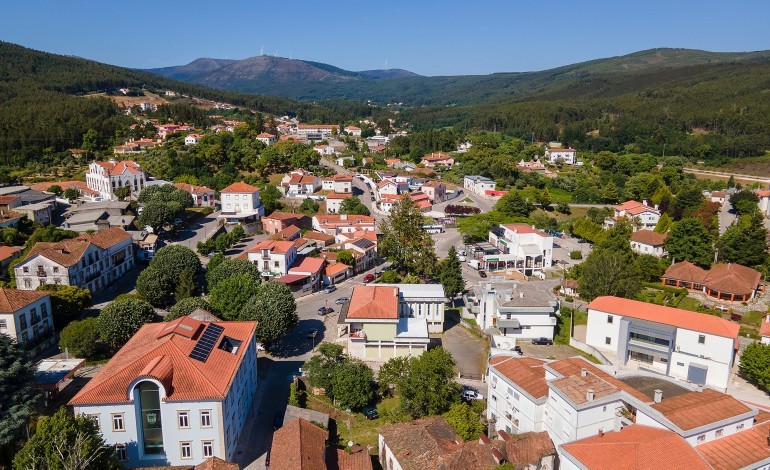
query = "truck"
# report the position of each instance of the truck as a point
(474, 263)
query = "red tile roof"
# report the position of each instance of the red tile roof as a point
(373, 302)
(278, 215)
(120, 167)
(344, 220)
(695, 409)
(299, 445)
(8, 251)
(648, 237)
(740, 450)
(763, 193)
(528, 448)
(4, 200)
(69, 252)
(240, 187)
(573, 366)
(79, 185)
(275, 246)
(12, 300)
(666, 315)
(339, 196)
(320, 236)
(728, 278)
(166, 358)
(685, 271)
(764, 328)
(640, 210)
(336, 268)
(215, 463)
(524, 228)
(628, 205)
(559, 149)
(342, 178)
(526, 372)
(194, 189)
(265, 135)
(307, 264)
(358, 459)
(636, 447)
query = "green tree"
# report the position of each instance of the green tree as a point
(687, 201)
(563, 208)
(186, 286)
(346, 257)
(466, 420)
(187, 306)
(270, 198)
(71, 194)
(391, 374)
(275, 310)
(81, 338)
(353, 206)
(664, 223)
(429, 388)
(755, 363)
(162, 204)
(230, 267)
(67, 302)
(610, 193)
(689, 240)
(476, 227)
(17, 378)
(309, 207)
(404, 242)
(121, 319)
(651, 268)
(65, 442)
(745, 242)
(215, 261)
(514, 204)
(56, 190)
(544, 198)
(607, 272)
(321, 366)
(390, 276)
(160, 279)
(156, 215)
(451, 275)
(122, 192)
(352, 384)
(90, 139)
(229, 296)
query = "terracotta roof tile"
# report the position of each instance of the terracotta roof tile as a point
(107, 238)
(194, 189)
(732, 278)
(240, 187)
(666, 315)
(275, 246)
(339, 196)
(336, 268)
(318, 236)
(8, 251)
(695, 409)
(278, 215)
(739, 450)
(422, 444)
(764, 328)
(576, 387)
(344, 220)
(215, 463)
(375, 302)
(574, 366)
(528, 448)
(307, 264)
(299, 445)
(526, 372)
(628, 205)
(636, 447)
(648, 237)
(358, 459)
(685, 271)
(12, 300)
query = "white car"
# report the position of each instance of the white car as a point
(472, 395)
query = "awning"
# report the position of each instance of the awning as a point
(291, 278)
(531, 250)
(512, 323)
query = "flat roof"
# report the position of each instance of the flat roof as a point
(412, 328)
(648, 385)
(52, 371)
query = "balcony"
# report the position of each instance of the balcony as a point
(41, 273)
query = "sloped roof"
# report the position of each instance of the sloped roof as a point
(12, 300)
(120, 167)
(422, 444)
(275, 246)
(107, 238)
(573, 366)
(358, 459)
(685, 271)
(373, 302)
(165, 357)
(764, 328)
(278, 215)
(194, 189)
(732, 278)
(636, 447)
(695, 409)
(738, 450)
(526, 372)
(666, 315)
(299, 445)
(628, 205)
(8, 251)
(649, 237)
(307, 264)
(240, 187)
(528, 448)
(336, 268)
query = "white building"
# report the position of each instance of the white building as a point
(342, 223)
(334, 202)
(192, 139)
(422, 301)
(202, 196)
(566, 156)
(303, 183)
(478, 184)
(177, 393)
(522, 247)
(324, 149)
(40, 212)
(641, 216)
(764, 330)
(648, 242)
(26, 317)
(105, 177)
(240, 202)
(355, 131)
(516, 393)
(266, 138)
(92, 262)
(514, 310)
(273, 258)
(342, 184)
(679, 343)
(764, 201)
(316, 131)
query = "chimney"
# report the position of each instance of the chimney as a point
(590, 394)
(583, 372)
(601, 433)
(644, 201)
(658, 395)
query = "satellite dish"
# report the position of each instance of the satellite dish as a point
(350, 443)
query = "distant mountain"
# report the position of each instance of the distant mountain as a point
(315, 81)
(194, 69)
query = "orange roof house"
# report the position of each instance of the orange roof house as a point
(374, 302)
(728, 282)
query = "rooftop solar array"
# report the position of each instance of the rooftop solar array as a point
(206, 342)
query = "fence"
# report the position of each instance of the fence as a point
(590, 350)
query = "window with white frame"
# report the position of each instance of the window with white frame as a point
(118, 423)
(205, 418)
(185, 450)
(120, 450)
(208, 449)
(719, 433)
(701, 438)
(183, 419)
(3, 324)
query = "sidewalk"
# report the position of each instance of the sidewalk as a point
(741, 389)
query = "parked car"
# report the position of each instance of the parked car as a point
(518, 350)
(330, 289)
(482, 273)
(373, 198)
(542, 341)
(342, 300)
(368, 278)
(325, 310)
(470, 394)
(370, 412)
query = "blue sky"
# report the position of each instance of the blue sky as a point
(429, 37)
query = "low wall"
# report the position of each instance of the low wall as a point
(590, 350)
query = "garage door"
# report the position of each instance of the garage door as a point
(696, 374)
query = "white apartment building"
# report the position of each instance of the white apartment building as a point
(177, 393)
(334, 202)
(105, 177)
(92, 262)
(303, 183)
(516, 393)
(342, 223)
(513, 310)
(26, 317)
(648, 242)
(522, 247)
(315, 131)
(355, 131)
(686, 345)
(240, 203)
(764, 201)
(273, 258)
(266, 138)
(422, 301)
(566, 156)
(478, 184)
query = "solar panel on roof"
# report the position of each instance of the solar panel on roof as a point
(206, 342)
(363, 243)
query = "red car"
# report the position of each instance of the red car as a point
(368, 278)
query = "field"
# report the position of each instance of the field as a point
(129, 101)
(759, 166)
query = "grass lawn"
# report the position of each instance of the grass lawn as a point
(275, 179)
(467, 200)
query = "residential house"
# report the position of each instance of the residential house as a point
(532, 166)
(92, 262)
(342, 223)
(202, 196)
(569, 287)
(240, 203)
(422, 301)
(642, 216)
(9, 202)
(316, 131)
(764, 201)
(522, 247)
(392, 188)
(266, 138)
(355, 131)
(10, 219)
(192, 139)
(725, 282)
(437, 159)
(305, 272)
(106, 177)
(41, 212)
(679, 343)
(273, 258)
(146, 245)
(303, 183)
(378, 328)
(99, 219)
(7, 255)
(560, 155)
(324, 149)
(342, 184)
(278, 221)
(649, 242)
(514, 310)
(26, 317)
(363, 246)
(718, 196)
(478, 184)
(177, 393)
(334, 202)
(292, 232)
(319, 239)
(392, 162)
(764, 330)
(516, 393)
(387, 201)
(80, 186)
(302, 445)
(337, 272)
(435, 191)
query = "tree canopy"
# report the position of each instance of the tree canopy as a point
(404, 242)
(429, 387)
(229, 296)
(689, 240)
(755, 363)
(159, 281)
(121, 319)
(17, 378)
(275, 310)
(450, 274)
(81, 338)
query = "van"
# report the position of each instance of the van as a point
(474, 263)
(462, 253)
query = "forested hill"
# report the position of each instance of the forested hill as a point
(40, 110)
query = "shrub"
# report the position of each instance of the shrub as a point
(576, 254)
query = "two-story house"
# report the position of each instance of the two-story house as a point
(342, 223)
(560, 155)
(240, 203)
(266, 138)
(437, 159)
(342, 184)
(106, 177)
(26, 317)
(522, 247)
(273, 258)
(92, 262)
(177, 393)
(435, 191)
(514, 310)
(478, 184)
(334, 202)
(641, 216)
(648, 242)
(202, 196)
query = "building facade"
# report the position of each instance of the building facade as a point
(202, 196)
(240, 203)
(26, 317)
(522, 247)
(106, 177)
(478, 184)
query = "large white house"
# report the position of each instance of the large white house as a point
(92, 262)
(641, 216)
(565, 156)
(687, 345)
(522, 247)
(648, 242)
(316, 131)
(240, 203)
(202, 196)
(478, 184)
(513, 310)
(273, 258)
(106, 177)
(342, 223)
(177, 393)
(26, 317)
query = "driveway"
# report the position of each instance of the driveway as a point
(469, 351)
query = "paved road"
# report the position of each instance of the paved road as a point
(727, 175)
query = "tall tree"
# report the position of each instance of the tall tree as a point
(346, 257)
(66, 442)
(610, 193)
(466, 420)
(270, 198)
(429, 387)
(353, 206)
(321, 366)
(161, 278)
(352, 384)
(689, 240)
(451, 275)
(755, 363)
(67, 302)
(745, 242)
(608, 272)
(81, 338)
(514, 204)
(230, 267)
(664, 223)
(404, 242)
(17, 378)
(121, 319)
(275, 310)
(188, 306)
(229, 296)
(392, 373)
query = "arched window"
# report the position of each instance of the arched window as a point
(152, 430)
